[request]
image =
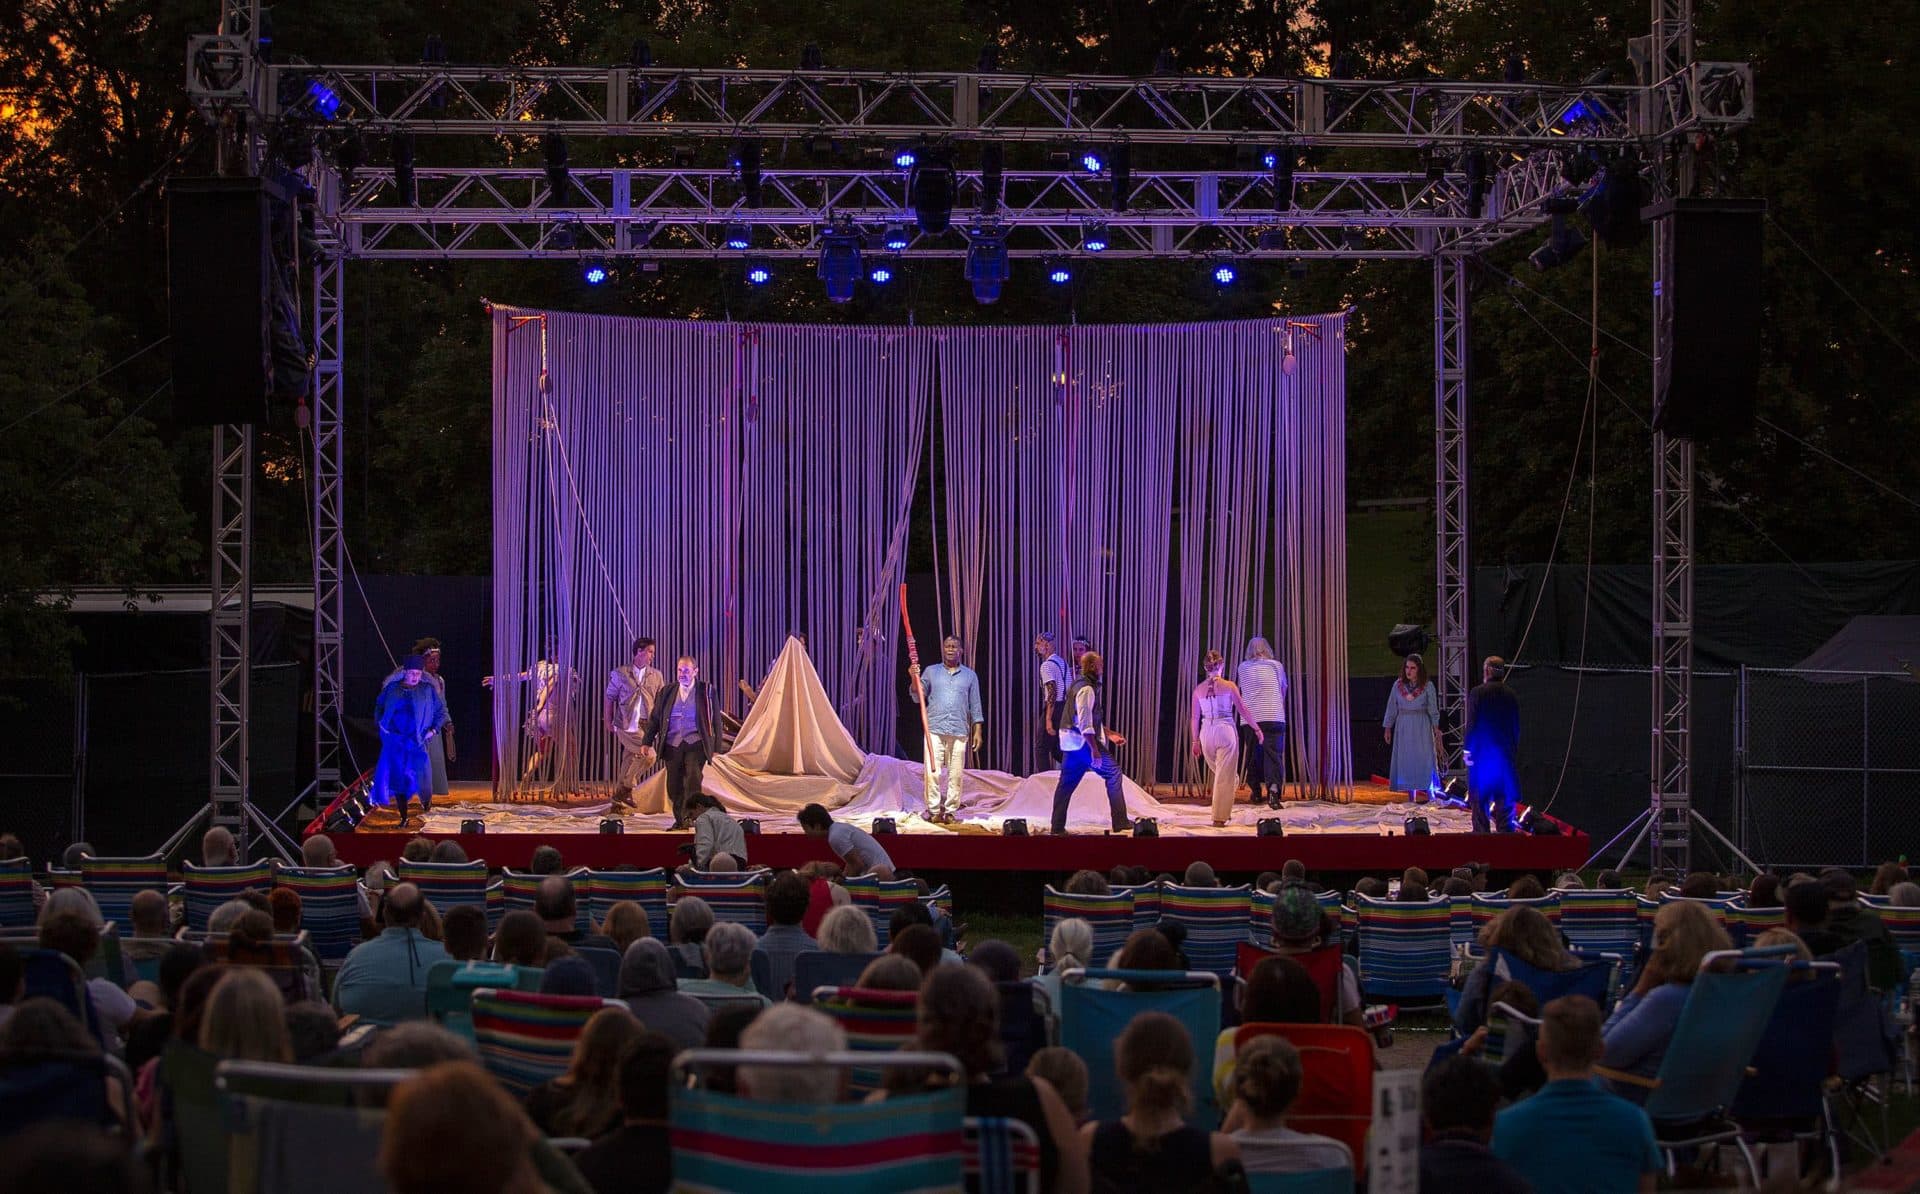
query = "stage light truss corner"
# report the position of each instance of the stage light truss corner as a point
(1452, 556)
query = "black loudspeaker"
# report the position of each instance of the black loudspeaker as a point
(1404, 640)
(219, 265)
(1146, 827)
(1014, 827)
(612, 825)
(1270, 827)
(883, 825)
(473, 825)
(1417, 826)
(749, 826)
(1717, 308)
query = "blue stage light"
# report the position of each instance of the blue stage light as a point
(905, 157)
(324, 100)
(895, 238)
(738, 236)
(1093, 237)
(594, 273)
(840, 263)
(1268, 159)
(880, 275)
(987, 265)
(1576, 112)
(1091, 161)
(1224, 274)
(1059, 273)
(759, 274)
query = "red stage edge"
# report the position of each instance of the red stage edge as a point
(1322, 852)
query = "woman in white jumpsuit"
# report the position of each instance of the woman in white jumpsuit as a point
(1215, 702)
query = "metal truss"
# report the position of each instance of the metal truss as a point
(232, 624)
(328, 474)
(1453, 560)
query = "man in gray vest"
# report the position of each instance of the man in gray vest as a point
(628, 704)
(685, 730)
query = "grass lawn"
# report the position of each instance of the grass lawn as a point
(1389, 552)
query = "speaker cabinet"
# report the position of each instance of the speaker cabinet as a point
(1714, 352)
(218, 262)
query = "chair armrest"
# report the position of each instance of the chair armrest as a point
(1613, 1075)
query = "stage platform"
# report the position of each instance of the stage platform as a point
(1363, 835)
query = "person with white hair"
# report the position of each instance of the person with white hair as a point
(688, 923)
(1070, 948)
(847, 930)
(1263, 689)
(217, 847)
(318, 852)
(791, 1028)
(729, 956)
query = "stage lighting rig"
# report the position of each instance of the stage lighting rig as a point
(1564, 242)
(880, 274)
(745, 160)
(758, 273)
(1479, 178)
(560, 237)
(1093, 236)
(738, 237)
(987, 264)
(559, 184)
(993, 181)
(594, 271)
(1058, 271)
(930, 189)
(1225, 274)
(839, 265)
(895, 238)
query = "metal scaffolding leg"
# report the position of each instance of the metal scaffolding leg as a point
(1451, 558)
(232, 625)
(329, 661)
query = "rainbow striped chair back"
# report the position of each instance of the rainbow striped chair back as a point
(1460, 928)
(329, 908)
(1146, 904)
(1405, 949)
(450, 988)
(58, 877)
(1486, 907)
(115, 881)
(1903, 924)
(879, 899)
(526, 1038)
(1600, 920)
(1644, 909)
(205, 888)
(520, 889)
(288, 960)
(16, 893)
(1112, 918)
(1718, 908)
(874, 1021)
(906, 1144)
(1003, 1156)
(1215, 920)
(1260, 918)
(450, 884)
(736, 897)
(1744, 923)
(645, 888)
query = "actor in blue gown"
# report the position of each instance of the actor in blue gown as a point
(409, 712)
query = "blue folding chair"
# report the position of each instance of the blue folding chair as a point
(1093, 1017)
(16, 894)
(1784, 1097)
(34, 1090)
(52, 974)
(1312, 1181)
(606, 969)
(818, 968)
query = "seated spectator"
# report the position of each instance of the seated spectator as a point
(1569, 881)
(187, 1010)
(72, 1157)
(245, 1019)
(1885, 876)
(1454, 887)
(286, 909)
(41, 1030)
(463, 933)
(723, 1032)
(1764, 891)
(217, 847)
(1152, 1148)
(636, 1158)
(1775, 938)
(1658, 884)
(1267, 881)
(312, 1030)
(1265, 1083)
(1526, 887)
(1278, 991)
(846, 930)
(916, 913)
(1457, 1100)
(921, 944)
(1642, 1025)
(318, 852)
(1293, 871)
(1412, 876)
(1070, 948)
(414, 1045)
(1085, 882)
(546, 861)
(1370, 886)
(625, 924)
(1904, 895)
(555, 904)
(585, 1101)
(521, 940)
(1805, 904)
(1850, 921)
(891, 972)
(793, 1028)
(221, 920)
(1200, 874)
(649, 988)
(728, 952)
(452, 1127)
(715, 832)
(384, 981)
(446, 850)
(1063, 1070)
(820, 880)
(1414, 893)
(1608, 880)
(69, 931)
(1573, 1135)
(572, 975)
(1300, 927)
(688, 923)
(13, 980)
(723, 863)
(1176, 934)
(148, 915)
(1699, 885)
(74, 855)
(787, 898)
(1526, 934)
(959, 1014)
(997, 960)
(1148, 949)
(417, 849)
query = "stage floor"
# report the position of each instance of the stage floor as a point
(1365, 834)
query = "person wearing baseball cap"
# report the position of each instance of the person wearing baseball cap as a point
(1300, 926)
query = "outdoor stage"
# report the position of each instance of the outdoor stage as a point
(1366, 835)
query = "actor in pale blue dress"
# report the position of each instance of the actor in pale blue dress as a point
(1412, 724)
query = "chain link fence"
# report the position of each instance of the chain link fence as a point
(1828, 766)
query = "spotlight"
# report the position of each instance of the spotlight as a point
(840, 262)
(1479, 178)
(473, 825)
(1271, 240)
(554, 146)
(1146, 827)
(1059, 272)
(1612, 204)
(930, 190)
(905, 157)
(612, 825)
(895, 238)
(738, 236)
(594, 272)
(992, 178)
(1092, 161)
(1563, 244)
(560, 236)
(1014, 827)
(759, 273)
(883, 826)
(746, 169)
(749, 826)
(1270, 827)
(1280, 166)
(322, 100)
(987, 263)
(400, 151)
(1093, 236)
(880, 274)
(1417, 826)
(1224, 274)
(1120, 168)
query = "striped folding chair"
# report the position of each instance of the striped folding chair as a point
(451, 884)
(874, 1021)
(1600, 921)
(450, 988)
(1404, 950)
(288, 959)
(1112, 917)
(1003, 1156)
(1146, 903)
(1485, 907)
(1461, 932)
(16, 893)
(115, 881)
(205, 888)
(521, 889)
(525, 1038)
(1092, 1017)
(1260, 919)
(1216, 922)
(648, 889)
(906, 1144)
(1744, 923)
(1903, 925)
(329, 908)
(1643, 909)
(736, 897)
(878, 899)
(1718, 908)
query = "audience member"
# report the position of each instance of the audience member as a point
(1642, 1024)
(1301, 927)
(1414, 893)
(715, 833)
(1885, 876)
(463, 933)
(891, 972)
(148, 914)
(41, 1030)
(69, 931)
(217, 847)
(521, 940)
(74, 1158)
(1148, 949)
(13, 980)
(1277, 991)
(318, 853)
(1067, 1074)
(626, 922)
(794, 1028)
(572, 975)
(636, 1157)
(1370, 886)
(245, 1019)
(585, 1101)
(1569, 881)
(1525, 933)
(1199, 874)
(1658, 884)
(1526, 887)
(997, 960)
(919, 943)
(723, 1032)
(1455, 887)
(1413, 876)
(74, 855)
(728, 952)
(1775, 938)
(555, 904)
(414, 1045)
(221, 920)
(286, 909)
(1764, 891)
(1152, 1149)
(384, 981)
(787, 897)
(649, 988)
(447, 851)
(313, 1031)
(1699, 885)
(846, 930)
(1805, 904)
(687, 925)
(723, 863)
(546, 860)
(1851, 921)
(1608, 880)
(417, 849)
(1904, 894)
(1457, 1101)
(1573, 1135)
(1265, 1083)
(1293, 871)
(1084, 882)
(453, 1128)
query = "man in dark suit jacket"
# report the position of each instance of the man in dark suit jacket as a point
(1492, 743)
(684, 729)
